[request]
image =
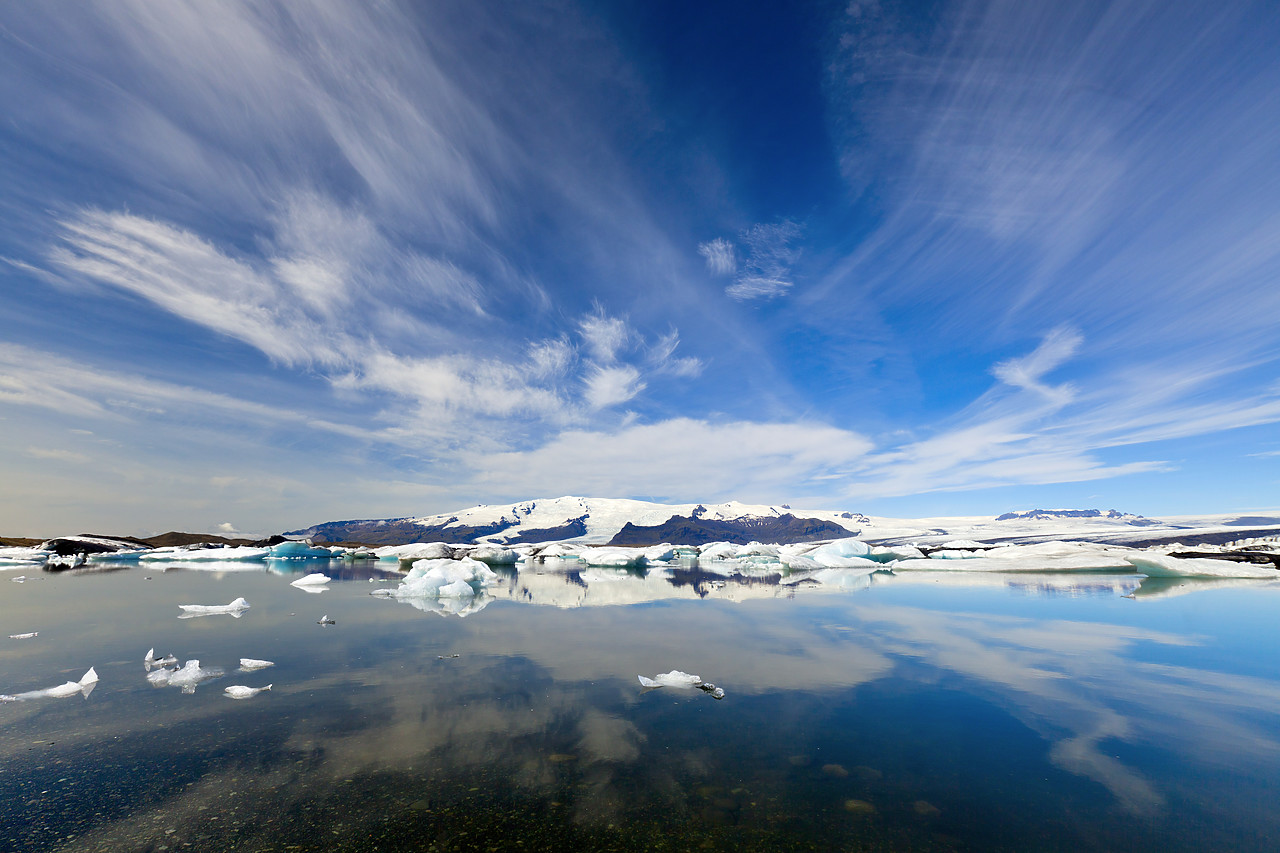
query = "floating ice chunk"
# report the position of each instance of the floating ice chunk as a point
(427, 578)
(674, 678)
(27, 636)
(84, 686)
(239, 691)
(18, 557)
(1163, 566)
(204, 553)
(964, 544)
(151, 660)
(682, 680)
(889, 553)
(250, 664)
(235, 608)
(191, 674)
(718, 551)
(301, 551)
(494, 555)
(1042, 557)
(416, 551)
(311, 580)
(19, 579)
(616, 558)
(325, 620)
(558, 551)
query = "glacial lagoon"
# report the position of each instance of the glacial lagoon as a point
(910, 711)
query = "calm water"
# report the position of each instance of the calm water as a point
(919, 713)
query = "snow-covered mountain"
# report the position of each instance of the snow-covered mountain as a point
(633, 522)
(598, 520)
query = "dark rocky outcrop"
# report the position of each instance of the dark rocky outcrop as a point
(693, 530)
(571, 529)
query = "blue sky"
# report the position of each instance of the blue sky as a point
(266, 265)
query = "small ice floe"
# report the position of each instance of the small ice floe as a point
(314, 582)
(27, 636)
(325, 620)
(235, 608)
(190, 675)
(19, 579)
(159, 677)
(150, 660)
(682, 680)
(1165, 566)
(250, 664)
(239, 691)
(84, 686)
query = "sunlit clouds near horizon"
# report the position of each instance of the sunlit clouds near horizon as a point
(267, 265)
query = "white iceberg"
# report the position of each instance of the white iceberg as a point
(70, 688)
(674, 678)
(443, 579)
(1164, 566)
(683, 680)
(494, 555)
(150, 660)
(235, 608)
(191, 674)
(204, 554)
(614, 558)
(416, 551)
(239, 691)
(27, 636)
(250, 664)
(315, 579)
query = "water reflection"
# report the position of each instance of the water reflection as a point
(938, 707)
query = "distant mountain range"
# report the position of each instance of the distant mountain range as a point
(601, 520)
(1050, 514)
(617, 521)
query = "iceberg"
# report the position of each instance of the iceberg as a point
(494, 555)
(239, 691)
(614, 558)
(27, 636)
(84, 686)
(314, 579)
(250, 664)
(1164, 566)
(441, 579)
(416, 551)
(302, 551)
(190, 675)
(204, 554)
(150, 660)
(235, 608)
(683, 680)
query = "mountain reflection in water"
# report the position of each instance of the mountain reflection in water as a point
(867, 711)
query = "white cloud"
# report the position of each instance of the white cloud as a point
(1026, 372)
(692, 458)
(56, 454)
(720, 256)
(603, 336)
(226, 528)
(610, 386)
(757, 287)
(766, 272)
